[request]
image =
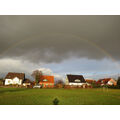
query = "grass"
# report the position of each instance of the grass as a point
(22, 96)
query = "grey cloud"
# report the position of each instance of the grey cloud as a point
(50, 39)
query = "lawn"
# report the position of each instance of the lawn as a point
(22, 96)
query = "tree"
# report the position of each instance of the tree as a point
(1, 81)
(59, 84)
(118, 81)
(37, 75)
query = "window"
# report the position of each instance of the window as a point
(8, 81)
(45, 80)
(77, 80)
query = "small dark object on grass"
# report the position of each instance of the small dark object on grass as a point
(55, 101)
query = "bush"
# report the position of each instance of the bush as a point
(111, 86)
(55, 101)
(59, 86)
(118, 81)
(94, 85)
(114, 87)
(1, 83)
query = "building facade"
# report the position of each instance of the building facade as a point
(14, 78)
(107, 81)
(47, 81)
(75, 80)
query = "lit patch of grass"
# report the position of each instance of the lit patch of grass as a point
(21, 96)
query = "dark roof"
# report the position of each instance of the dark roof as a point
(12, 75)
(27, 81)
(72, 78)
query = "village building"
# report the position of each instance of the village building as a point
(14, 78)
(47, 81)
(27, 82)
(75, 80)
(90, 81)
(112, 82)
(107, 81)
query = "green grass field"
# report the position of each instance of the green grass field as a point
(22, 96)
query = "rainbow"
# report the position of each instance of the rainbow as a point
(93, 44)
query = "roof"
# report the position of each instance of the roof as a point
(47, 79)
(72, 78)
(12, 75)
(104, 81)
(90, 81)
(27, 80)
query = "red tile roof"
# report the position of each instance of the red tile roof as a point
(47, 79)
(104, 81)
(90, 81)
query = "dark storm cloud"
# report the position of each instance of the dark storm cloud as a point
(56, 38)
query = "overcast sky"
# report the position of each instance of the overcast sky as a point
(88, 45)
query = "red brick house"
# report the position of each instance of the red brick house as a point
(47, 81)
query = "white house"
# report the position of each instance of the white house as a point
(26, 82)
(14, 78)
(76, 80)
(107, 81)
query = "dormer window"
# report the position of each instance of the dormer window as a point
(77, 81)
(45, 80)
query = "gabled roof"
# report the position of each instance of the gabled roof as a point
(12, 75)
(105, 80)
(72, 78)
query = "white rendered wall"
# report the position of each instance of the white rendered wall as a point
(25, 84)
(8, 81)
(76, 83)
(15, 80)
(66, 81)
(110, 83)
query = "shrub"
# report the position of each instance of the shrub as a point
(114, 87)
(59, 85)
(95, 85)
(118, 81)
(55, 101)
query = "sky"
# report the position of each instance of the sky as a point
(60, 45)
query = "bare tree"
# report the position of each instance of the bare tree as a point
(37, 75)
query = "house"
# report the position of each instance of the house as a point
(112, 82)
(14, 78)
(47, 81)
(27, 82)
(107, 81)
(75, 80)
(90, 81)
